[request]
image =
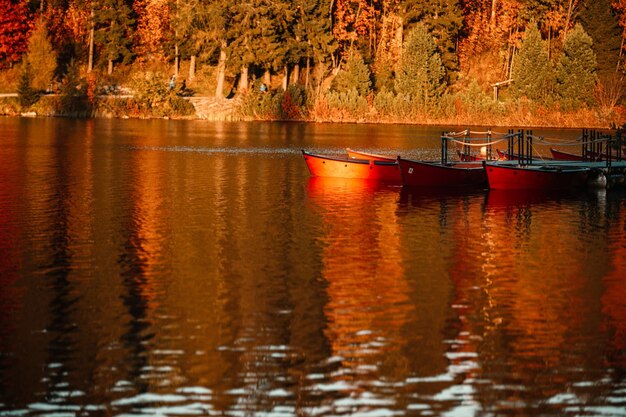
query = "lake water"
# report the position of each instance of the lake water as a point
(178, 268)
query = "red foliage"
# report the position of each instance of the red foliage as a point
(15, 26)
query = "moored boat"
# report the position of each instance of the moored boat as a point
(352, 154)
(435, 174)
(535, 177)
(564, 156)
(329, 166)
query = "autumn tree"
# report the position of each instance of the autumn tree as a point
(532, 73)
(15, 26)
(41, 56)
(421, 75)
(113, 34)
(354, 20)
(153, 29)
(576, 71)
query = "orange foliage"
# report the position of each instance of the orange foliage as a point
(153, 29)
(354, 19)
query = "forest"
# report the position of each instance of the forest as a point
(516, 62)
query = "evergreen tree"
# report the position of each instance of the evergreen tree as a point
(421, 74)
(354, 76)
(444, 20)
(113, 25)
(27, 95)
(576, 73)
(599, 21)
(41, 56)
(532, 73)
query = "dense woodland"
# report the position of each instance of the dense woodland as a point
(393, 60)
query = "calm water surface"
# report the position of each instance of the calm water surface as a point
(180, 268)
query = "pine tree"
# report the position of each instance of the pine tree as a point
(576, 72)
(421, 75)
(444, 20)
(600, 22)
(354, 76)
(532, 73)
(41, 56)
(113, 26)
(27, 95)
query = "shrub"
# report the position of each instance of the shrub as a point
(152, 94)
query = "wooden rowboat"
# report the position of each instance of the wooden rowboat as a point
(564, 156)
(435, 174)
(535, 177)
(591, 156)
(329, 166)
(352, 154)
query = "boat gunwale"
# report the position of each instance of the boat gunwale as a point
(336, 158)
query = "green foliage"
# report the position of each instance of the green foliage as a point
(354, 75)
(444, 20)
(599, 21)
(41, 56)
(26, 94)
(113, 23)
(421, 75)
(576, 70)
(389, 104)
(532, 73)
(348, 102)
(277, 105)
(152, 94)
(73, 95)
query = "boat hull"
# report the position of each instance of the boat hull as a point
(326, 166)
(564, 156)
(431, 174)
(530, 177)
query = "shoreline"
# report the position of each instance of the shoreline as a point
(228, 110)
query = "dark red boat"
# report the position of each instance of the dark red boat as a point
(369, 156)
(435, 174)
(535, 177)
(591, 156)
(564, 156)
(328, 166)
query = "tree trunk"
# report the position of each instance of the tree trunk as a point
(91, 34)
(110, 68)
(267, 78)
(295, 74)
(307, 73)
(494, 5)
(221, 73)
(192, 67)
(243, 80)
(176, 58)
(285, 77)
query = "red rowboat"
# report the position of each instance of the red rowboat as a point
(369, 156)
(565, 156)
(328, 166)
(434, 174)
(469, 157)
(535, 177)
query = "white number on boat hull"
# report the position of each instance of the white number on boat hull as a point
(410, 170)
